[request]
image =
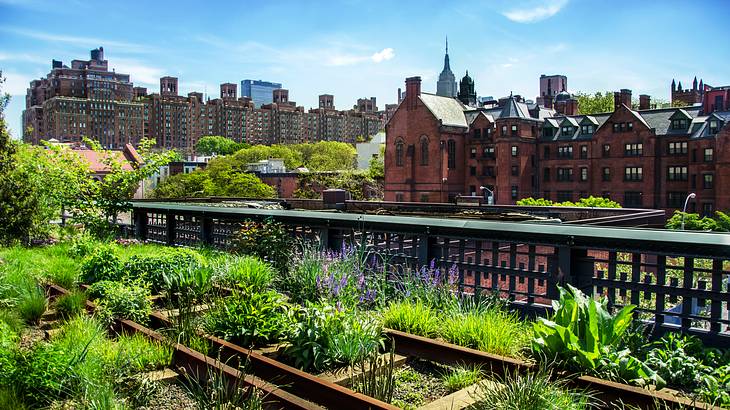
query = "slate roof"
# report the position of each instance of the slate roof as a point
(514, 109)
(660, 119)
(556, 122)
(448, 110)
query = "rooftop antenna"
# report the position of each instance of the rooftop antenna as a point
(447, 44)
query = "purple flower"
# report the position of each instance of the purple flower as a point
(361, 281)
(338, 306)
(453, 274)
(433, 264)
(318, 281)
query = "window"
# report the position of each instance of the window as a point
(473, 153)
(708, 154)
(629, 126)
(488, 171)
(515, 170)
(473, 171)
(546, 152)
(633, 199)
(634, 150)
(565, 174)
(504, 130)
(567, 130)
(473, 190)
(564, 196)
(714, 125)
(584, 151)
(514, 191)
(616, 127)
(606, 174)
(424, 198)
(514, 150)
(399, 154)
(487, 132)
(587, 129)
(675, 199)
(584, 174)
(707, 181)
(477, 133)
(424, 151)
(606, 150)
(546, 174)
(565, 151)
(677, 148)
(679, 124)
(632, 174)
(514, 130)
(707, 209)
(677, 173)
(451, 147)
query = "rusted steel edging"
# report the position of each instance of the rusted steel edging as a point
(608, 391)
(293, 380)
(197, 364)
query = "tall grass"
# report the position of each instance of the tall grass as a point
(490, 330)
(412, 317)
(459, 377)
(70, 305)
(247, 271)
(32, 303)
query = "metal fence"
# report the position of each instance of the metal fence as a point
(678, 280)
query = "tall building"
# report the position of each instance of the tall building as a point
(84, 100)
(327, 101)
(260, 92)
(366, 105)
(467, 93)
(446, 85)
(437, 148)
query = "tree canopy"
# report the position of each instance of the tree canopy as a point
(590, 202)
(595, 103)
(217, 145)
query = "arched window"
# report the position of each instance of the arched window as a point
(399, 153)
(451, 145)
(424, 150)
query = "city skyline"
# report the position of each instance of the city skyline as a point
(369, 48)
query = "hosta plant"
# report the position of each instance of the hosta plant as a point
(583, 334)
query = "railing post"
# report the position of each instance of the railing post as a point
(573, 267)
(170, 228)
(140, 224)
(206, 230)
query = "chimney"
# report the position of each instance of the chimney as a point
(644, 102)
(413, 91)
(616, 100)
(571, 106)
(626, 97)
(399, 96)
(548, 101)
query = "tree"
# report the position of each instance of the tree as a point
(327, 156)
(596, 103)
(257, 153)
(217, 145)
(679, 104)
(693, 222)
(376, 167)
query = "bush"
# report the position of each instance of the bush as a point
(8, 354)
(141, 354)
(32, 304)
(103, 264)
(152, 268)
(490, 330)
(116, 300)
(269, 241)
(70, 305)
(248, 272)
(590, 202)
(693, 222)
(412, 317)
(249, 318)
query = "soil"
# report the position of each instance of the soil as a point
(169, 397)
(417, 383)
(30, 336)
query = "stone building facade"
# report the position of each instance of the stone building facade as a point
(437, 148)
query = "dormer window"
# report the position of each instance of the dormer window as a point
(679, 124)
(714, 126)
(547, 132)
(567, 130)
(587, 129)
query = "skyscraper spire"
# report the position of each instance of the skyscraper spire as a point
(447, 45)
(446, 84)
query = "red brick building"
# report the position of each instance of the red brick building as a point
(438, 148)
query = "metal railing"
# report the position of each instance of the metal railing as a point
(678, 280)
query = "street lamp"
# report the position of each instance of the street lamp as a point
(684, 210)
(490, 198)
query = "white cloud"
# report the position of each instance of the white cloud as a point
(383, 55)
(75, 40)
(139, 73)
(535, 11)
(28, 58)
(16, 84)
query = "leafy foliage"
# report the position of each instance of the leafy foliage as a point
(32, 304)
(102, 264)
(248, 272)
(117, 300)
(460, 377)
(584, 334)
(595, 103)
(171, 261)
(491, 330)
(268, 240)
(361, 185)
(590, 202)
(693, 222)
(217, 145)
(412, 317)
(71, 305)
(232, 182)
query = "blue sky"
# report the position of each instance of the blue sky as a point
(358, 48)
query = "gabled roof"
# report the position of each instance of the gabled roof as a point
(589, 119)
(473, 117)
(514, 109)
(448, 110)
(570, 120)
(552, 122)
(680, 113)
(661, 119)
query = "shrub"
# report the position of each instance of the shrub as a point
(82, 246)
(116, 300)
(249, 318)
(102, 264)
(460, 377)
(268, 240)
(65, 278)
(491, 330)
(590, 202)
(431, 284)
(8, 354)
(412, 317)
(141, 354)
(248, 272)
(583, 334)
(32, 304)
(532, 391)
(693, 222)
(70, 305)
(151, 268)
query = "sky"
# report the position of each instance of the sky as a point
(355, 49)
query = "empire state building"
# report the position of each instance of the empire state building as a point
(446, 85)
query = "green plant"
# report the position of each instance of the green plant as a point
(268, 240)
(531, 391)
(214, 390)
(459, 377)
(65, 278)
(412, 317)
(70, 305)
(116, 300)
(372, 375)
(152, 268)
(693, 222)
(141, 354)
(102, 264)
(249, 318)
(248, 271)
(583, 334)
(492, 330)
(32, 304)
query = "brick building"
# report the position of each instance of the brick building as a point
(88, 99)
(437, 148)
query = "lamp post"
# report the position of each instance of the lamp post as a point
(490, 198)
(684, 210)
